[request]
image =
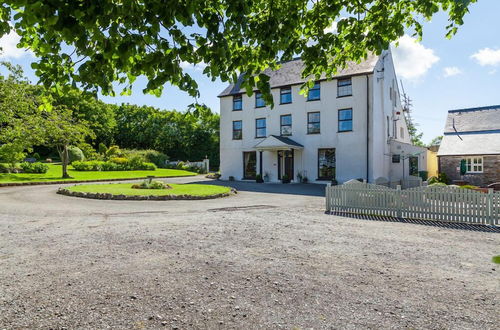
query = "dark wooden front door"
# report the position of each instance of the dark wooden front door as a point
(285, 164)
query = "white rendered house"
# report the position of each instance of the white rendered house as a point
(348, 127)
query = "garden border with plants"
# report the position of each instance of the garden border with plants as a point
(39, 183)
(107, 196)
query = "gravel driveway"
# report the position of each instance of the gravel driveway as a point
(269, 259)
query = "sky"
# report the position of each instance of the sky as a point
(437, 74)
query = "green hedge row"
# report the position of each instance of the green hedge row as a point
(128, 165)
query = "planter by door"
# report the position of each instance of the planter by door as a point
(285, 164)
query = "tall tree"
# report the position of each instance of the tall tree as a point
(97, 42)
(20, 127)
(436, 141)
(99, 115)
(63, 130)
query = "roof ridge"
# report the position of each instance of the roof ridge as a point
(489, 107)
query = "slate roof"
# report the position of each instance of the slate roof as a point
(473, 119)
(282, 142)
(290, 73)
(477, 132)
(288, 141)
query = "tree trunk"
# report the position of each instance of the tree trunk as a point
(65, 159)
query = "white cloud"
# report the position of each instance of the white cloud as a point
(412, 59)
(487, 56)
(197, 67)
(8, 43)
(451, 71)
(332, 28)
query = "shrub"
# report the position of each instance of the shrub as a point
(112, 151)
(119, 160)
(442, 177)
(432, 180)
(93, 165)
(36, 155)
(129, 165)
(110, 166)
(102, 148)
(75, 154)
(5, 168)
(180, 165)
(148, 167)
(148, 184)
(423, 175)
(468, 186)
(34, 167)
(88, 151)
(437, 184)
(148, 155)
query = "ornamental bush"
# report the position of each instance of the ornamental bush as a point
(75, 154)
(148, 155)
(119, 160)
(36, 167)
(147, 184)
(93, 165)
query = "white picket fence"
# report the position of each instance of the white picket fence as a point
(447, 204)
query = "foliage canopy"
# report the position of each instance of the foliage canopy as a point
(93, 43)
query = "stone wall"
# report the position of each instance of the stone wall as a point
(491, 170)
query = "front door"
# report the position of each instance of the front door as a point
(285, 164)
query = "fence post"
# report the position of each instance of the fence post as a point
(399, 202)
(327, 195)
(489, 207)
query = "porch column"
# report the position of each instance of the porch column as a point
(260, 163)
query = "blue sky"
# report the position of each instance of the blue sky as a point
(438, 74)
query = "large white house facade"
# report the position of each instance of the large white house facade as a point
(348, 127)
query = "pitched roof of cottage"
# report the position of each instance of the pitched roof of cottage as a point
(472, 131)
(290, 73)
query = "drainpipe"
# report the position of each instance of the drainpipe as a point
(367, 127)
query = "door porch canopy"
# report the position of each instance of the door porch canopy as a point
(275, 142)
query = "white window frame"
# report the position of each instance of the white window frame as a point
(474, 164)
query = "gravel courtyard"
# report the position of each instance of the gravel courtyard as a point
(266, 258)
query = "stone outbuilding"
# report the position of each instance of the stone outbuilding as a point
(470, 150)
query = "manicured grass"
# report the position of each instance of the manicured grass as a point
(54, 174)
(126, 189)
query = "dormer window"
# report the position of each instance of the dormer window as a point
(237, 103)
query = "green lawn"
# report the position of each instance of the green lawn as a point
(54, 174)
(126, 189)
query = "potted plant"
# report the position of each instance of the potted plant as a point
(334, 182)
(285, 179)
(231, 178)
(305, 179)
(266, 177)
(258, 178)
